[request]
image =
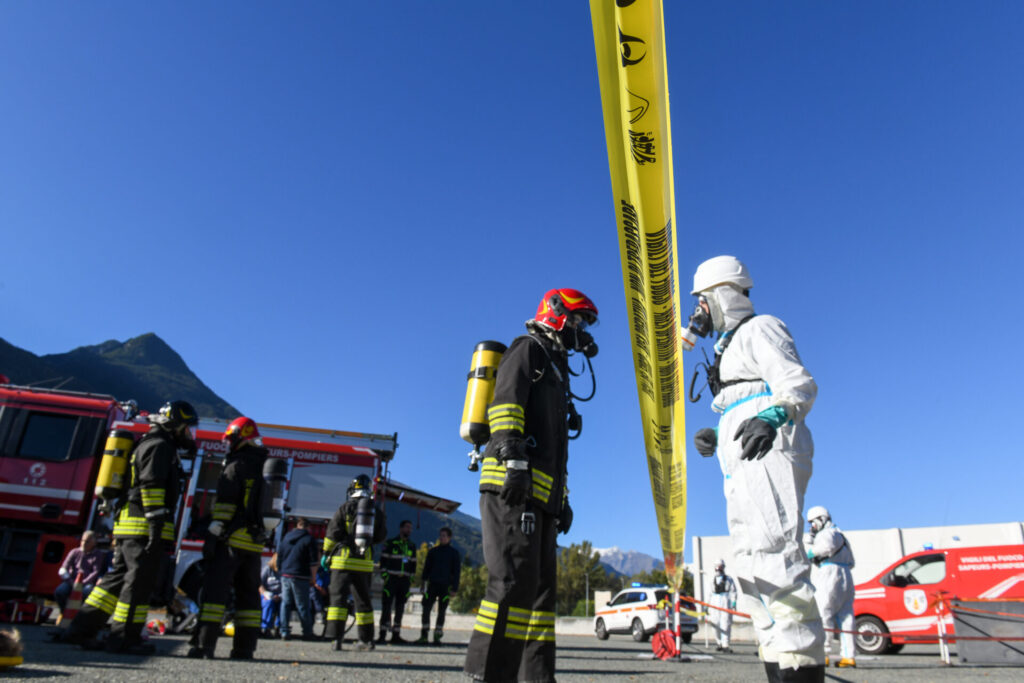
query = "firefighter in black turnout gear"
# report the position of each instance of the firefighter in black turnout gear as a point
(356, 526)
(524, 499)
(397, 567)
(233, 546)
(441, 572)
(144, 529)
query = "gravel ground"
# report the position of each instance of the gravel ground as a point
(580, 658)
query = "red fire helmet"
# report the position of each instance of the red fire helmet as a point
(557, 304)
(241, 429)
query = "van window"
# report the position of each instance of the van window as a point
(918, 571)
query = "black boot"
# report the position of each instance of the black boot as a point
(805, 674)
(383, 637)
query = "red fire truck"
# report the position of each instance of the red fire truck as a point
(899, 605)
(51, 446)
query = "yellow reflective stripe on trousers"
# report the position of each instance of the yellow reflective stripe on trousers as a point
(337, 613)
(212, 612)
(122, 609)
(518, 624)
(247, 618)
(485, 617)
(103, 600)
(542, 626)
(363, 618)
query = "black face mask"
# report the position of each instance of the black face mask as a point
(575, 339)
(700, 321)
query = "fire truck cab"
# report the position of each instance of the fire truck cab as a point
(899, 605)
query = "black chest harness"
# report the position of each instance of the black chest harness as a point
(713, 370)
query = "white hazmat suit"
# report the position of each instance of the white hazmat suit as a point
(832, 560)
(760, 369)
(723, 595)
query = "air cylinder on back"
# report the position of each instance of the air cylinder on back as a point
(480, 392)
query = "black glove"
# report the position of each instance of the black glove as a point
(517, 487)
(564, 518)
(758, 437)
(155, 542)
(517, 481)
(706, 441)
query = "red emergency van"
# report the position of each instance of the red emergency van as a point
(899, 605)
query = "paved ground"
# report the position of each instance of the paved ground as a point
(580, 658)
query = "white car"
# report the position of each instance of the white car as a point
(634, 610)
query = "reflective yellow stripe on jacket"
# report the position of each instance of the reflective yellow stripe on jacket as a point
(242, 540)
(492, 473)
(506, 417)
(343, 560)
(128, 526)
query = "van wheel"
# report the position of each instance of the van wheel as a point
(687, 637)
(872, 635)
(637, 630)
(601, 630)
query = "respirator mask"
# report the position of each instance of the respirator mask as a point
(700, 324)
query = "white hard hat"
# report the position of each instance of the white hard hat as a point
(818, 511)
(720, 564)
(721, 270)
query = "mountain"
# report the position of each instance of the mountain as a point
(143, 368)
(628, 562)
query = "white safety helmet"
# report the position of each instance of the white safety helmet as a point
(818, 512)
(721, 270)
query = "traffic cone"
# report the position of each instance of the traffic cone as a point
(74, 603)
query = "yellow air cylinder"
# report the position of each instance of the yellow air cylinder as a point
(480, 391)
(110, 480)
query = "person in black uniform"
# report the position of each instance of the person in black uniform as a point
(233, 546)
(144, 529)
(441, 572)
(397, 567)
(348, 552)
(523, 495)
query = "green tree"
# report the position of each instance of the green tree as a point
(579, 567)
(421, 559)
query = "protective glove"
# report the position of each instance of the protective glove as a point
(216, 528)
(706, 441)
(512, 452)
(517, 487)
(758, 437)
(155, 542)
(564, 518)
(324, 561)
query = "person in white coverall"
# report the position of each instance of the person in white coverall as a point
(723, 595)
(763, 393)
(832, 559)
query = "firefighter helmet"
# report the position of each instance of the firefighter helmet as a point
(558, 304)
(360, 486)
(241, 430)
(178, 413)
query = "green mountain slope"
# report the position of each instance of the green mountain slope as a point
(143, 368)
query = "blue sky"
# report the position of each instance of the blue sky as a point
(324, 206)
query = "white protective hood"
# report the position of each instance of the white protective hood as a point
(728, 307)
